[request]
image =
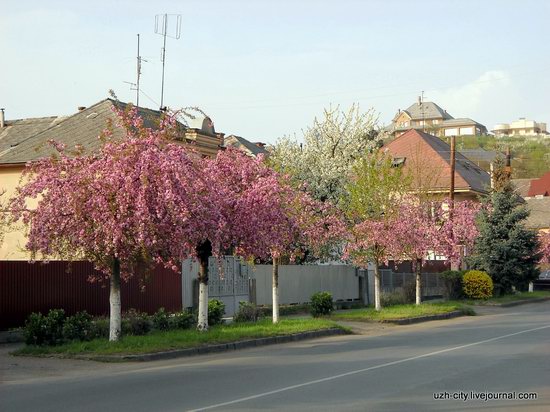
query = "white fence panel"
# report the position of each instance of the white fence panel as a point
(298, 282)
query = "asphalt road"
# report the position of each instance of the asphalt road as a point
(503, 352)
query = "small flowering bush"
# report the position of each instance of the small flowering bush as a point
(45, 330)
(181, 320)
(161, 320)
(78, 327)
(136, 323)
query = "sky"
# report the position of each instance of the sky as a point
(265, 69)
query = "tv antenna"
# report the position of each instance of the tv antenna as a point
(135, 86)
(162, 28)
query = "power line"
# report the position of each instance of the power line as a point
(435, 89)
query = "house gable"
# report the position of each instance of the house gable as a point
(428, 161)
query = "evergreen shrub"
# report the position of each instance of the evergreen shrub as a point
(477, 284)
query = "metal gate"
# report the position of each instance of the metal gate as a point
(228, 281)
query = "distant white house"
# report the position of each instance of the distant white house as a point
(521, 127)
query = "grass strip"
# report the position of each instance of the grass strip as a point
(401, 312)
(509, 298)
(182, 339)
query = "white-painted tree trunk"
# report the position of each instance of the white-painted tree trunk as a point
(115, 320)
(275, 285)
(204, 251)
(377, 288)
(202, 323)
(418, 287)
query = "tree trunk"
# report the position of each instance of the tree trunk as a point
(115, 321)
(377, 288)
(275, 285)
(418, 284)
(204, 251)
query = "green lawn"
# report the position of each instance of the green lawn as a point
(182, 339)
(400, 311)
(509, 298)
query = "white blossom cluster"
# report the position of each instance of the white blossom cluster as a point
(331, 146)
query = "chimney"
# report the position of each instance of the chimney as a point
(260, 144)
(81, 108)
(419, 100)
(2, 119)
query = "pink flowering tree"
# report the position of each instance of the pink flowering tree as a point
(136, 203)
(372, 241)
(264, 216)
(456, 229)
(307, 225)
(415, 236)
(544, 241)
(249, 199)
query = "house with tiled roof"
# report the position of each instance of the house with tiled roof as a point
(536, 193)
(430, 117)
(246, 146)
(22, 141)
(427, 159)
(540, 187)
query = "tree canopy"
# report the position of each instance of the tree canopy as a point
(331, 146)
(505, 248)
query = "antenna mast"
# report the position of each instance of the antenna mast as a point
(138, 72)
(161, 27)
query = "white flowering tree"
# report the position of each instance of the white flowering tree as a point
(330, 148)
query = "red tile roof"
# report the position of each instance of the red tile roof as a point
(428, 157)
(540, 187)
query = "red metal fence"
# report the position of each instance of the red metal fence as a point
(38, 287)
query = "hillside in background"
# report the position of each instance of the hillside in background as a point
(530, 154)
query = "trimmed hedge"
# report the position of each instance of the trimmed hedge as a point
(477, 285)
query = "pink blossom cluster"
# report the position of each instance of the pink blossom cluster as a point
(145, 200)
(544, 240)
(414, 232)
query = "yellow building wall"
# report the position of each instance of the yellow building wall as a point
(13, 245)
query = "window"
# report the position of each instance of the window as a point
(398, 161)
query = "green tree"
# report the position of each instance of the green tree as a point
(330, 148)
(371, 199)
(505, 248)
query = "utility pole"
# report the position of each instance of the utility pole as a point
(453, 161)
(508, 166)
(452, 192)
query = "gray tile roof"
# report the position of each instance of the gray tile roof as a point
(427, 110)
(82, 128)
(521, 186)
(464, 121)
(477, 178)
(241, 143)
(479, 154)
(540, 213)
(16, 131)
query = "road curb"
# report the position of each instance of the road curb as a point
(224, 347)
(427, 318)
(11, 336)
(521, 302)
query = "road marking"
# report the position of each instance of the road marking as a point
(355, 372)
